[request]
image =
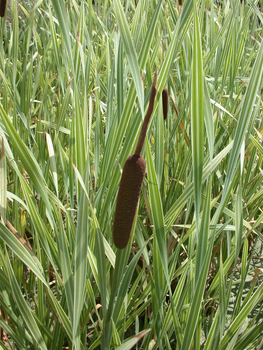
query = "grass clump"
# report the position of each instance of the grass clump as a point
(75, 83)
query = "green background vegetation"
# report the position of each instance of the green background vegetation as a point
(75, 83)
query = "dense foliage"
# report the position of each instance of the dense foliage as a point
(75, 81)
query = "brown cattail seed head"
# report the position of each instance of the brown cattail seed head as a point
(2, 7)
(165, 97)
(127, 201)
(131, 183)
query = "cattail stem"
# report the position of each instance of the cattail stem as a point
(147, 117)
(174, 106)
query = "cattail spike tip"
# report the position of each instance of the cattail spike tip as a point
(165, 98)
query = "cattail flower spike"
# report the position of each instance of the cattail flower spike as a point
(131, 183)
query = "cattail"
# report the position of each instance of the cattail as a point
(131, 183)
(165, 97)
(2, 7)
